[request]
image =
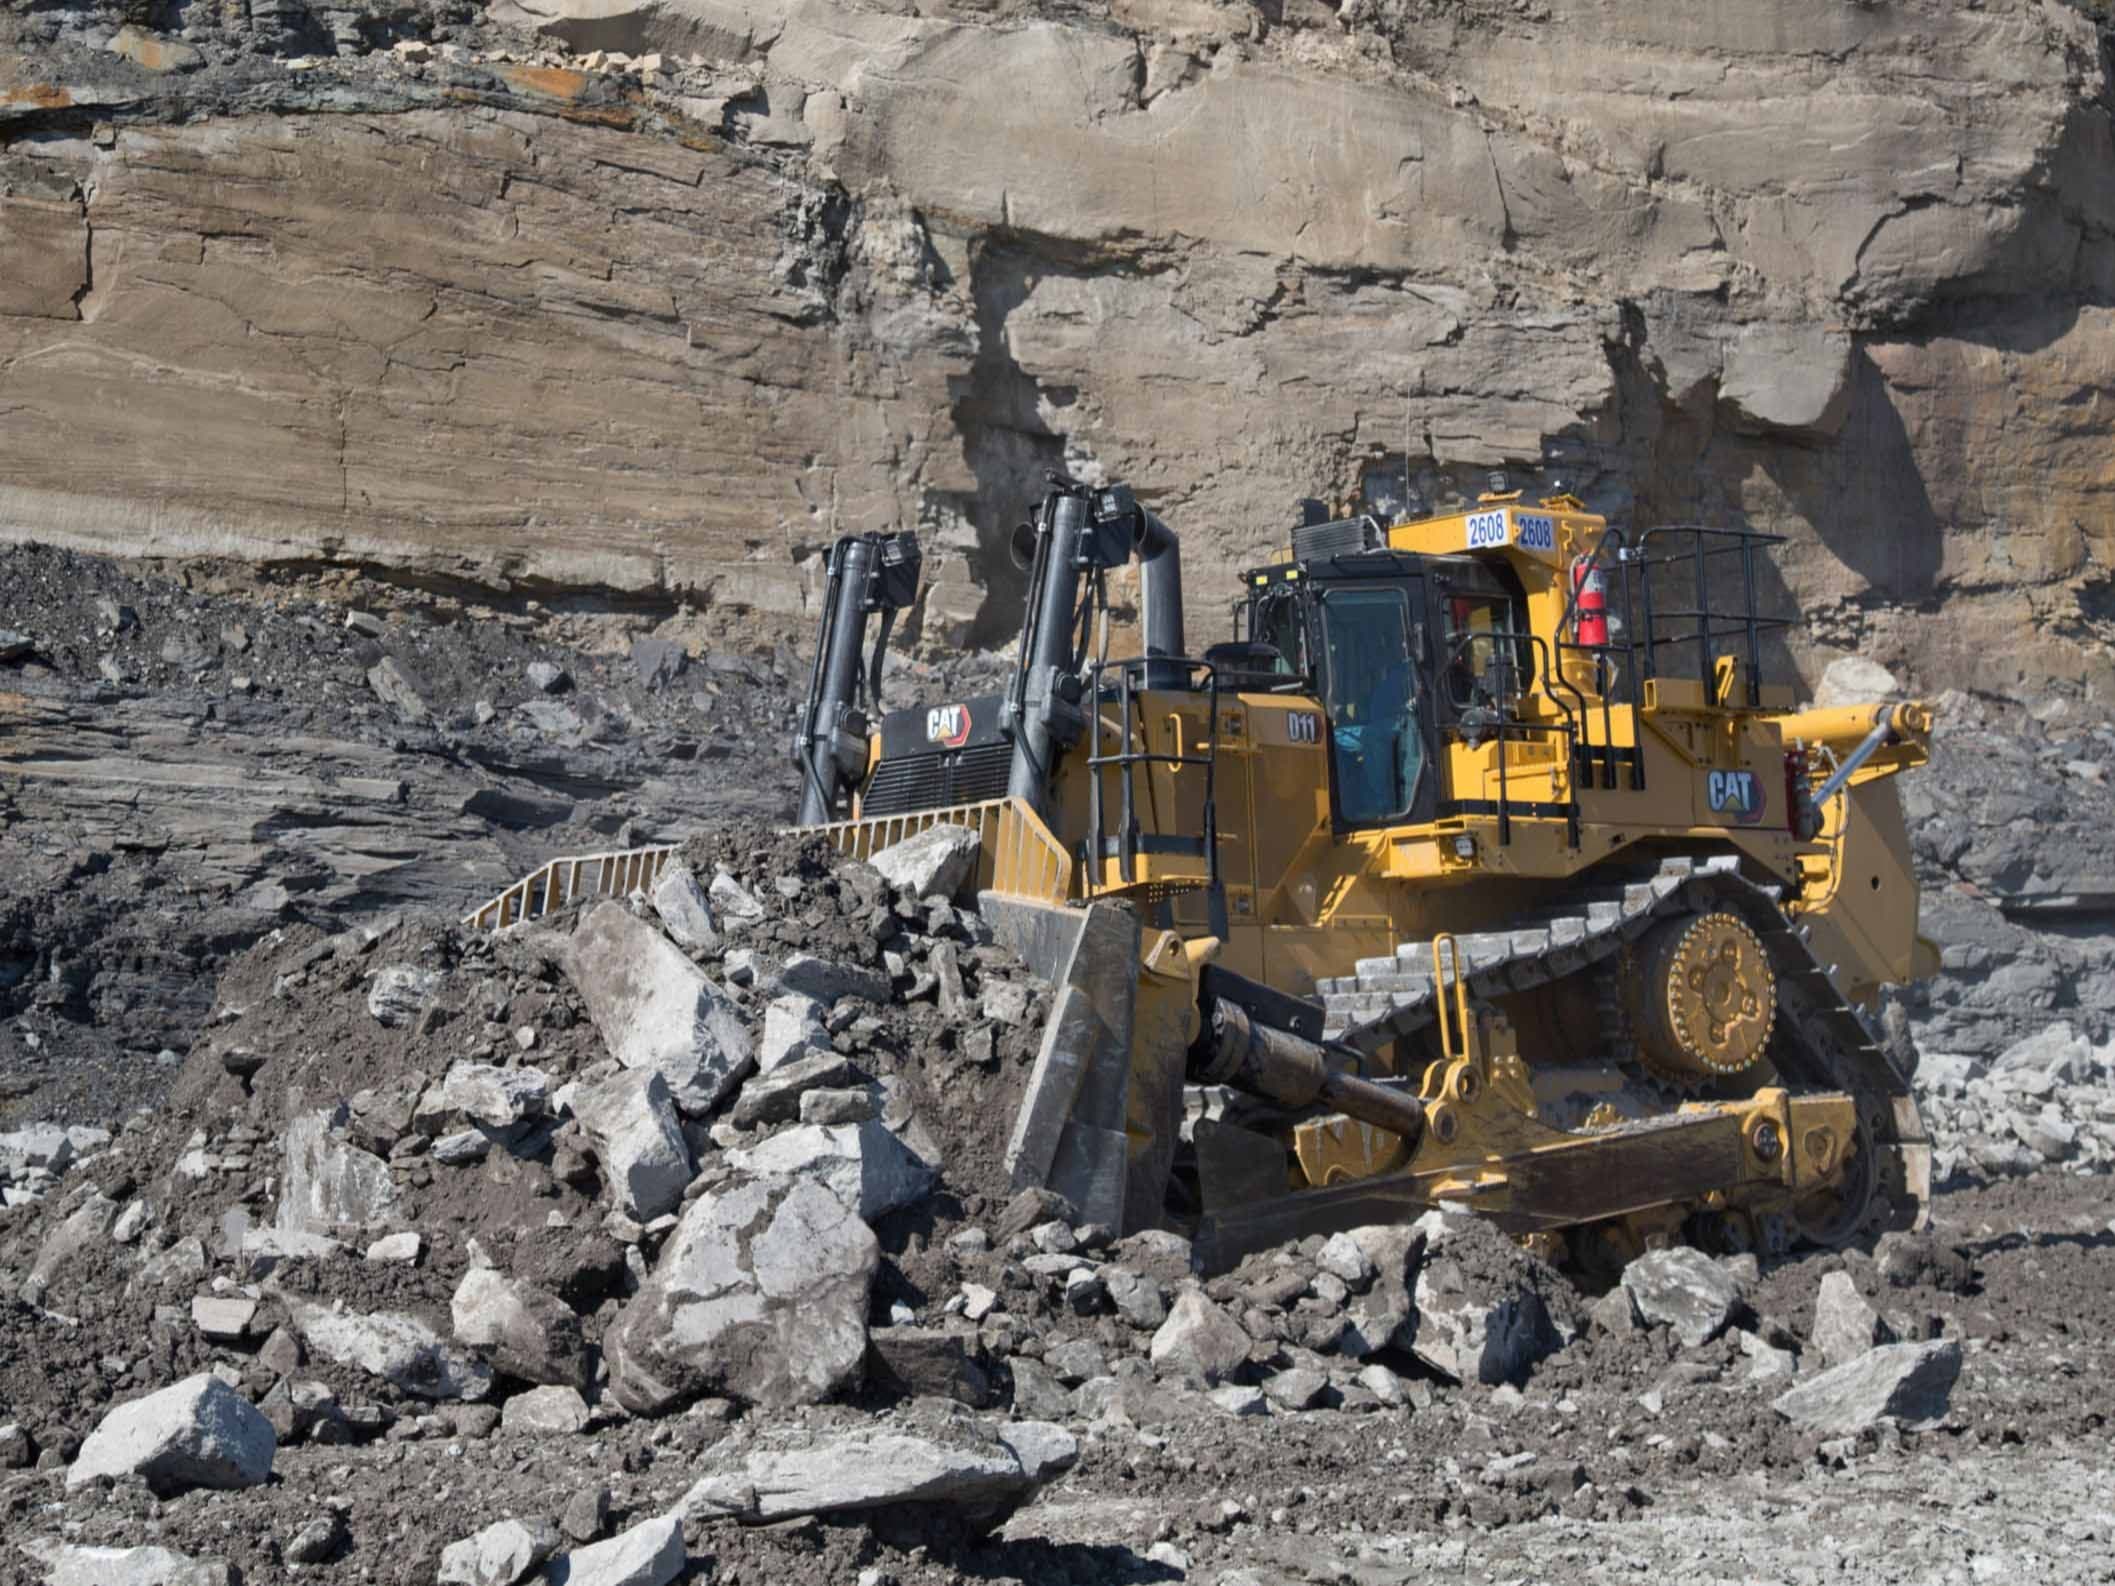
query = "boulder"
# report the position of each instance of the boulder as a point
(400, 992)
(1199, 1339)
(645, 1159)
(827, 979)
(224, 1320)
(1138, 1296)
(331, 1184)
(779, 1472)
(656, 1010)
(401, 1249)
(774, 1095)
(524, 1331)
(1845, 1325)
(927, 1362)
(43, 1145)
(865, 1164)
(760, 1293)
(500, 1099)
(1684, 1289)
(1342, 1258)
(933, 863)
(198, 1433)
(1854, 680)
(544, 1412)
(684, 911)
(1479, 1315)
(395, 687)
(649, 1554)
(66, 1564)
(1910, 1383)
(400, 1349)
(86, 1227)
(500, 1555)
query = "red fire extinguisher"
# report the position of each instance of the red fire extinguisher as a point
(1589, 602)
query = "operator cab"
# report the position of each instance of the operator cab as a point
(1403, 650)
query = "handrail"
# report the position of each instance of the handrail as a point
(557, 882)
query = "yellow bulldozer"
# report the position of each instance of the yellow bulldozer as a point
(1481, 866)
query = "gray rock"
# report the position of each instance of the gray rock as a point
(780, 1472)
(223, 1320)
(400, 992)
(834, 1105)
(66, 1564)
(645, 1159)
(1910, 1383)
(547, 677)
(1301, 1388)
(15, 646)
(1137, 1296)
(1076, 1360)
(1683, 1289)
(398, 1348)
(827, 979)
(933, 863)
(1236, 1400)
(318, 1540)
(656, 1009)
(1199, 1339)
(84, 1229)
(330, 1183)
(500, 1555)
(460, 1150)
(658, 662)
(1044, 1449)
(1766, 1362)
(1342, 1258)
(394, 687)
(43, 1145)
(1845, 1325)
(524, 1331)
(928, 1362)
(865, 1164)
(684, 911)
(1855, 680)
(401, 1249)
(1484, 1322)
(544, 1412)
(649, 1554)
(483, 1093)
(760, 1294)
(198, 1433)
(774, 1096)
(586, 1515)
(793, 1029)
(1616, 1312)
(1383, 1384)
(733, 900)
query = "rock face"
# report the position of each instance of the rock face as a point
(198, 1433)
(760, 1293)
(656, 1010)
(1718, 285)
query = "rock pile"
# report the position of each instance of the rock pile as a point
(2045, 1102)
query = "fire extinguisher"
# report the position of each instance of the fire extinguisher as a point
(1589, 602)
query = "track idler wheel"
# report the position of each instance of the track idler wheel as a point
(1701, 996)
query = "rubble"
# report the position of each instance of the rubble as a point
(934, 863)
(501, 1554)
(649, 1554)
(1683, 1289)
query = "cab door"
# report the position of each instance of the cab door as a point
(1382, 727)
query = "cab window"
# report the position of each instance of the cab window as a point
(1376, 741)
(1487, 661)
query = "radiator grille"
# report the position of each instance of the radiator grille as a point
(933, 781)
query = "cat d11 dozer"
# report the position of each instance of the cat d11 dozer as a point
(1482, 865)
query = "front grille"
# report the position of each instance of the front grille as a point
(937, 781)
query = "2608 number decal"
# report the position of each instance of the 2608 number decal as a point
(1535, 532)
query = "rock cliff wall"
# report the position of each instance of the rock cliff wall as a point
(464, 297)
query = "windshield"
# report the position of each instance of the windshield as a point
(1378, 747)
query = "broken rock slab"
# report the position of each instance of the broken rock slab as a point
(503, 1553)
(1199, 1339)
(656, 1009)
(1910, 1383)
(793, 1029)
(330, 1183)
(864, 1164)
(68, 1565)
(544, 1412)
(827, 979)
(1845, 1324)
(645, 1159)
(399, 1349)
(774, 1095)
(934, 863)
(686, 913)
(399, 992)
(649, 1554)
(759, 1294)
(524, 1331)
(197, 1433)
(958, 1461)
(1684, 1289)
(483, 1093)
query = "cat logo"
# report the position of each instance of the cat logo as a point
(1735, 793)
(947, 725)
